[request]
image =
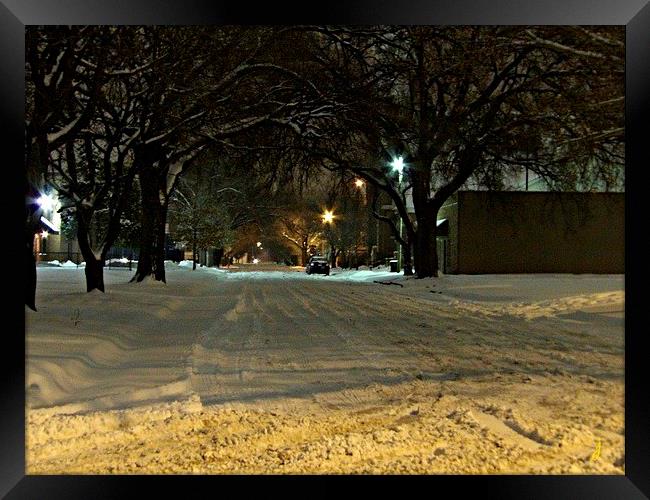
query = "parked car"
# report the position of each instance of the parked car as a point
(318, 265)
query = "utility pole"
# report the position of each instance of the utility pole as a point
(526, 178)
(398, 164)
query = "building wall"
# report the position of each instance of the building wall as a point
(449, 211)
(58, 243)
(379, 233)
(538, 232)
(56, 247)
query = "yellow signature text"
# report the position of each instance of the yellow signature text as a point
(596, 454)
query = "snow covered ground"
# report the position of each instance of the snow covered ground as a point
(265, 369)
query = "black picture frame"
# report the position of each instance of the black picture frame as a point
(15, 14)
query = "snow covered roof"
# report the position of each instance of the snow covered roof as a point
(442, 227)
(49, 226)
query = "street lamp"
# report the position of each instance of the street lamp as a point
(46, 202)
(358, 183)
(398, 165)
(328, 216)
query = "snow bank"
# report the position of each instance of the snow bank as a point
(69, 263)
(216, 269)
(299, 274)
(587, 303)
(365, 275)
(123, 260)
(189, 263)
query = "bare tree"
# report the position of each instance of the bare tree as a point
(198, 217)
(207, 87)
(474, 105)
(60, 100)
(302, 228)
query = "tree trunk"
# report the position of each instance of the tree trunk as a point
(94, 267)
(159, 249)
(33, 179)
(94, 274)
(218, 256)
(304, 257)
(144, 260)
(408, 260)
(194, 252)
(426, 257)
(424, 237)
(31, 228)
(30, 268)
(152, 239)
(149, 196)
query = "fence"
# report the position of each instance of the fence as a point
(61, 257)
(117, 257)
(121, 258)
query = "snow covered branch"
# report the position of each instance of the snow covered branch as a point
(566, 48)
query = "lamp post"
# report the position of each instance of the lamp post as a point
(48, 205)
(256, 260)
(328, 218)
(361, 188)
(398, 165)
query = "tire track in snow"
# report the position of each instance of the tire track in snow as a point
(303, 345)
(377, 332)
(338, 319)
(215, 358)
(291, 344)
(304, 337)
(381, 333)
(231, 354)
(329, 324)
(426, 340)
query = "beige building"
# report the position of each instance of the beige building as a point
(49, 243)
(482, 232)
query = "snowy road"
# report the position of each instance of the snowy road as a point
(265, 339)
(250, 336)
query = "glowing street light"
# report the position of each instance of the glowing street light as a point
(358, 183)
(259, 244)
(328, 216)
(398, 165)
(46, 202)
